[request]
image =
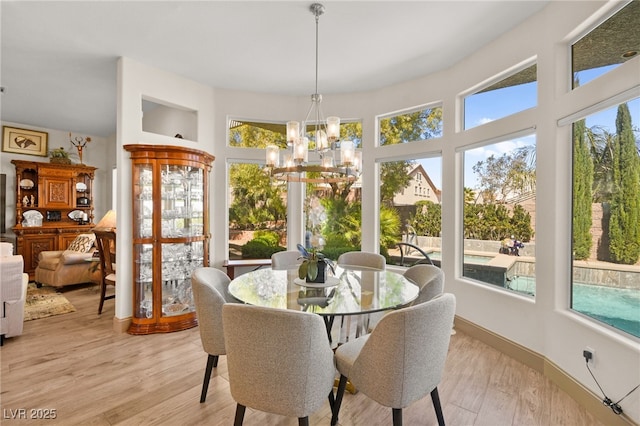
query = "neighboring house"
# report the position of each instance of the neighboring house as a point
(421, 188)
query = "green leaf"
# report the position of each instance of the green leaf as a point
(312, 270)
(302, 270)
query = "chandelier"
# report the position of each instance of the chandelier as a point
(338, 159)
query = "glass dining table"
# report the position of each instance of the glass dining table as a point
(349, 291)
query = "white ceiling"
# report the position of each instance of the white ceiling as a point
(58, 59)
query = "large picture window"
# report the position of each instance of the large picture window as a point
(411, 211)
(499, 214)
(606, 217)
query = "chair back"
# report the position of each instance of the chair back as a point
(404, 357)
(210, 293)
(362, 258)
(289, 259)
(430, 280)
(106, 243)
(279, 360)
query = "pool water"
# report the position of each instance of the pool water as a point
(618, 307)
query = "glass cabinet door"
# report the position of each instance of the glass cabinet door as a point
(178, 262)
(182, 201)
(143, 274)
(143, 192)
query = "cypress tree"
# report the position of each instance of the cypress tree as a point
(624, 224)
(582, 193)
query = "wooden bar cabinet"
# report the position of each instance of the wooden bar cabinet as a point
(170, 234)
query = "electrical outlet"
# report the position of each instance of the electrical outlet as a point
(589, 355)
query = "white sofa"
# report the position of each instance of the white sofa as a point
(13, 292)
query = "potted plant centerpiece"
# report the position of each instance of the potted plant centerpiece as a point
(313, 268)
(314, 264)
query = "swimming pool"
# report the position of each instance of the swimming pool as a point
(618, 307)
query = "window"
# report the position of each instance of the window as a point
(257, 205)
(418, 125)
(499, 214)
(606, 47)
(414, 219)
(255, 134)
(606, 217)
(257, 212)
(508, 96)
(332, 211)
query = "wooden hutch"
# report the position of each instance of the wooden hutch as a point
(54, 203)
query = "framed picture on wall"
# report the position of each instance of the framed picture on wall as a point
(23, 141)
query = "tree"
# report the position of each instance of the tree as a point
(428, 219)
(601, 145)
(582, 194)
(256, 201)
(505, 176)
(624, 223)
(394, 176)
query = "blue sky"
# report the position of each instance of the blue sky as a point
(486, 107)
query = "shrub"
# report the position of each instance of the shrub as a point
(259, 249)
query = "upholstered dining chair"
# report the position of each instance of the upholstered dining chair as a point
(106, 243)
(289, 259)
(210, 294)
(362, 258)
(279, 361)
(402, 360)
(358, 259)
(430, 281)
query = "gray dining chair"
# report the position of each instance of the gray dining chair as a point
(362, 258)
(279, 361)
(210, 293)
(402, 360)
(430, 280)
(359, 259)
(282, 260)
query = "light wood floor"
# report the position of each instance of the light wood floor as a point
(76, 365)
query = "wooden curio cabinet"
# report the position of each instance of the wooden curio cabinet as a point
(54, 203)
(170, 234)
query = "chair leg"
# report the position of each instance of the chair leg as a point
(212, 361)
(239, 415)
(338, 400)
(103, 292)
(303, 421)
(397, 416)
(436, 405)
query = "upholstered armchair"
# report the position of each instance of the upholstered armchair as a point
(13, 293)
(75, 265)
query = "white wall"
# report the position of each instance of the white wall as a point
(135, 81)
(96, 154)
(545, 325)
